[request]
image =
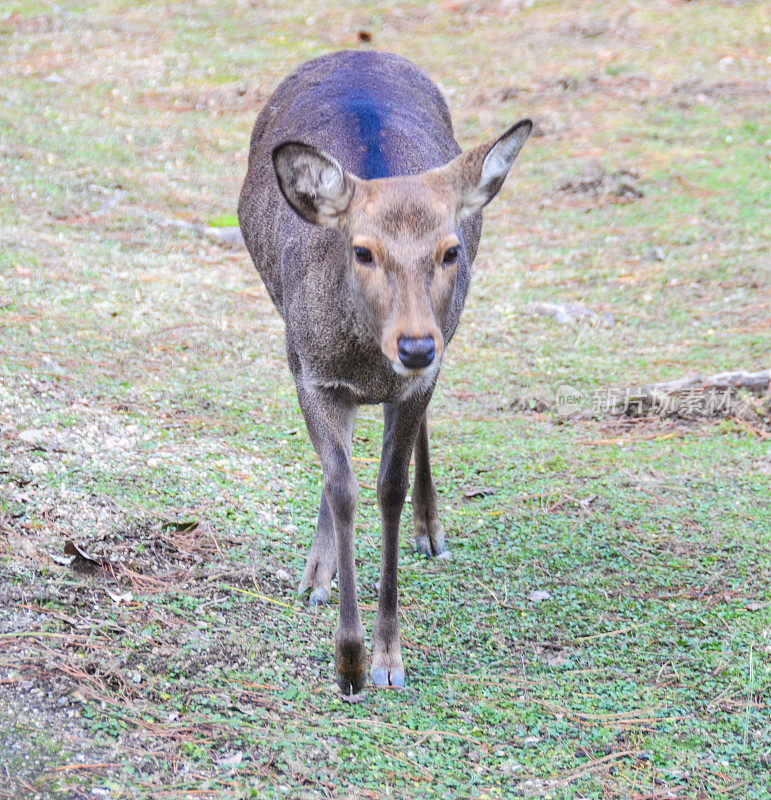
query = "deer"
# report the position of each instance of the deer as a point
(363, 216)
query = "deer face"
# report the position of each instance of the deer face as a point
(403, 252)
(401, 236)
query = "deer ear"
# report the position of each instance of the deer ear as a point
(313, 183)
(478, 174)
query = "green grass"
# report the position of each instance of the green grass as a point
(224, 221)
(152, 364)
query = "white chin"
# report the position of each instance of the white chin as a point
(415, 373)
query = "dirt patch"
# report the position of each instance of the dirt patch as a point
(597, 184)
(697, 91)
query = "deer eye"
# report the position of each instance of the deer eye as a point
(363, 256)
(450, 255)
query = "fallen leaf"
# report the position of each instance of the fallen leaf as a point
(478, 491)
(64, 561)
(71, 549)
(35, 437)
(232, 761)
(28, 549)
(81, 561)
(179, 527)
(120, 597)
(551, 655)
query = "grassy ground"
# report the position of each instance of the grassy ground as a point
(147, 416)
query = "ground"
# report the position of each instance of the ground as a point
(602, 629)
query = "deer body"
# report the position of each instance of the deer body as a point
(363, 219)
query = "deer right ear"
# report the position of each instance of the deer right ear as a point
(313, 183)
(478, 174)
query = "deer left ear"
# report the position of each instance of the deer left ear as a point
(479, 173)
(313, 183)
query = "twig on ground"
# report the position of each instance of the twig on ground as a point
(597, 765)
(263, 597)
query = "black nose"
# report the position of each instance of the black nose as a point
(416, 353)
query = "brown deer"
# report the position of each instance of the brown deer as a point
(362, 216)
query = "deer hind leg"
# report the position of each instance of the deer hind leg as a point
(429, 534)
(321, 565)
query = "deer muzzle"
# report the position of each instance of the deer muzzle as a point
(416, 353)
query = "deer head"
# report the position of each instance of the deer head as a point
(402, 236)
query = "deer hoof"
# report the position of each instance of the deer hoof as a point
(350, 665)
(319, 597)
(429, 537)
(383, 678)
(423, 545)
(426, 547)
(351, 687)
